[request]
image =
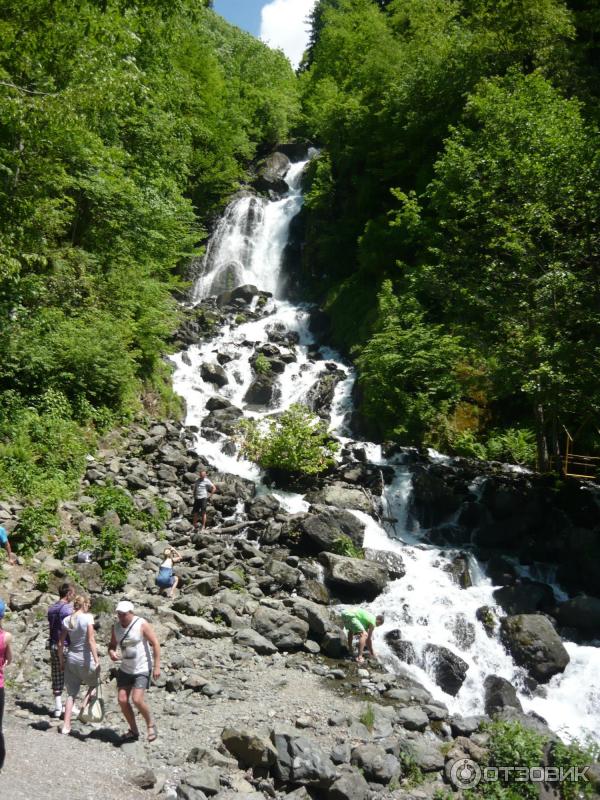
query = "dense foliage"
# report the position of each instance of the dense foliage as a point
(296, 442)
(453, 215)
(123, 127)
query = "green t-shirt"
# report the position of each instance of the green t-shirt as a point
(365, 618)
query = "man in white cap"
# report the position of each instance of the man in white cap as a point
(134, 636)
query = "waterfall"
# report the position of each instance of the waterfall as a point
(427, 605)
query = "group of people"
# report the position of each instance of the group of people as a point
(75, 661)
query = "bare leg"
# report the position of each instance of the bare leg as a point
(68, 713)
(174, 587)
(361, 646)
(137, 697)
(126, 709)
(195, 520)
(203, 520)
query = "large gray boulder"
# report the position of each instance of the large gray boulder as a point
(351, 785)
(499, 694)
(249, 747)
(270, 173)
(284, 630)
(535, 645)
(342, 496)
(375, 764)
(301, 761)
(250, 638)
(327, 525)
(354, 579)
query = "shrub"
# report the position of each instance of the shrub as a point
(113, 498)
(42, 580)
(31, 531)
(262, 365)
(344, 546)
(114, 558)
(514, 445)
(296, 442)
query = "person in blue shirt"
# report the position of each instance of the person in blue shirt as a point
(6, 545)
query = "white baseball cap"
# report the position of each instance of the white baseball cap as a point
(124, 606)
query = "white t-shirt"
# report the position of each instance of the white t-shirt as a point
(78, 643)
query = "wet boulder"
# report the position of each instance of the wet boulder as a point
(354, 579)
(391, 561)
(447, 669)
(458, 568)
(400, 647)
(525, 597)
(499, 694)
(320, 395)
(262, 391)
(535, 645)
(341, 496)
(270, 174)
(247, 292)
(213, 373)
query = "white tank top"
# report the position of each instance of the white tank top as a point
(135, 652)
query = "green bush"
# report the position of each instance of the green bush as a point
(114, 557)
(344, 546)
(113, 498)
(297, 442)
(31, 532)
(514, 445)
(262, 365)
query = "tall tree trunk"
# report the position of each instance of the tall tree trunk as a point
(540, 437)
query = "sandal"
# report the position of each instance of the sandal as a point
(130, 736)
(152, 732)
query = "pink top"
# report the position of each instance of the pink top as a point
(2, 656)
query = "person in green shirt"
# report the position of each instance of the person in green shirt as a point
(361, 623)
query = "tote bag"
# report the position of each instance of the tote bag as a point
(94, 711)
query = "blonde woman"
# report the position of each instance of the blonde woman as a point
(165, 578)
(82, 664)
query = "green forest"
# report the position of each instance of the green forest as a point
(124, 128)
(454, 216)
(451, 219)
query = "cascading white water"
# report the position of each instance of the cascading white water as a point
(426, 605)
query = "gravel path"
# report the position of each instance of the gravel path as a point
(41, 765)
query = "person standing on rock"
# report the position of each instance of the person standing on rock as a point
(81, 664)
(12, 559)
(5, 659)
(203, 488)
(56, 614)
(361, 623)
(134, 636)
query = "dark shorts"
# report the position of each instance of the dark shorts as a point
(200, 505)
(127, 681)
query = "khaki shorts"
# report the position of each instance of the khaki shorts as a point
(76, 674)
